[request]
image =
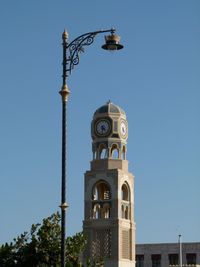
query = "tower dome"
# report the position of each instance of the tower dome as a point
(109, 108)
(109, 131)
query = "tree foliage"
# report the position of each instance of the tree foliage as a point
(40, 247)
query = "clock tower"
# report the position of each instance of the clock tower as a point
(109, 192)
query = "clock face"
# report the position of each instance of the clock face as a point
(123, 129)
(103, 127)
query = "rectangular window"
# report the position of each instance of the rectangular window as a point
(191, 258)
(139, 260)
(156, 260)
(173, 259)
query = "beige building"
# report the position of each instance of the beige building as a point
(165, 255)
(109, 192)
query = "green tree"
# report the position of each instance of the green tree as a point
(40, 247)
(6, 255)
(74, 246)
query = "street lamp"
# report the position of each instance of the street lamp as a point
(71, 53)
(180, 251)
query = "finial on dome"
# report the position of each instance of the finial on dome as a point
(108, 102)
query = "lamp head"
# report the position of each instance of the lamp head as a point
(112, 42)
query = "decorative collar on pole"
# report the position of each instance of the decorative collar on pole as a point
(64, 92)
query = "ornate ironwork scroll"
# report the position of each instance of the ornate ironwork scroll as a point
(76, 47)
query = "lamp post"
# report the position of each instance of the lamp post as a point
(180, 251)
(71, 53)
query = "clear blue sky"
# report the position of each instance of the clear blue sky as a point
(155, 79)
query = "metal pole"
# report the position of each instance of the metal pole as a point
(64, 94)
(63, 186)
(180, 251)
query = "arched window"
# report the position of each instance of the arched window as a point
(103, 152)
(115, 152)
(105, 214)
(101, 191)
(96, 211)
(123, 215)
(125, 198)
(125, 192)
(101, 200)
(126, 213)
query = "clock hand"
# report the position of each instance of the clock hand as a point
(102, 129)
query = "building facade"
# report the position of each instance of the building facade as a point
(109, 192)
(167, 254)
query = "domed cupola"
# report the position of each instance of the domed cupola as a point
(109, 131)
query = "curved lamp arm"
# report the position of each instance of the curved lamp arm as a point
(72, 50)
